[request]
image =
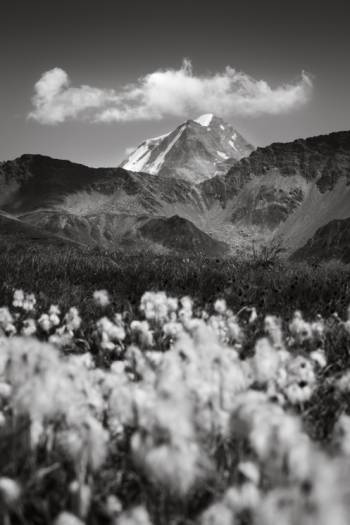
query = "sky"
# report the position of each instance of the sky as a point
(86, 81)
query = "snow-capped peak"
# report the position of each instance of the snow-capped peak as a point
(139, 157)
(205, 120)
(195, 151)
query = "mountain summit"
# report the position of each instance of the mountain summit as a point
(195, 151)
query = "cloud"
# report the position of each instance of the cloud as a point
(171, 92)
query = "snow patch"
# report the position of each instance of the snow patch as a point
(140, 156)
(158, 139)
(233, 145)
(205, 120)
(157, 164)
(222, 155)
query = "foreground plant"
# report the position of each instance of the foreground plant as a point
(199, 414)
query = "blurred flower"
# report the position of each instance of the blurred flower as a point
(113, 506)
(250, 471)
(7, 321)
(72, 319)
(220, 306)
(136, 516)
(66, 518)
(10, 491)
(101, 298)
(29, 327)
(18, 298)
(142, 332)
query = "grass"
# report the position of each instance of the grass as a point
(70, 277)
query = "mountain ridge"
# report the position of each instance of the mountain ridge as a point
(285, 191)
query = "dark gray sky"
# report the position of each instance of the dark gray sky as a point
(110, 43)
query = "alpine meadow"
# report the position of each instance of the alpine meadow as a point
(174, 263)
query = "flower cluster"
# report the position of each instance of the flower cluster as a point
(168, 404)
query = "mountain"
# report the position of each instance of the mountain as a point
(107, 207)
(195, 151)
(295, 192)
(130, 233)
(331, 241)
(287, 191)
(14, 232)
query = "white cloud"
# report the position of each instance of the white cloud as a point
(163, 93)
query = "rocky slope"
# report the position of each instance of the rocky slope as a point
(195, 151)
(15, 232)
(331, 241)
(284, 191)
(131, 233)
(287, 190)
(111, 208)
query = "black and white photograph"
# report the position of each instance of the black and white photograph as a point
(174, 262)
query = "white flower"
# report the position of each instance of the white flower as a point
(18, 298)
(10, 491)
(29, 302)
(298, 395)
(220, 306)
(341, 434)
(234, 332)
(272, 327)
(7, 321)
(101, 298)
(301, 370)
(172, 329)
(186, 303)
(141, 330)
(5, 390)
(110, 333)
(36, 432)
(250, 471)
(173, 304)
(253, 315)
(66, 518)
(319, 357)
(300, 329)
(155, 306)
(72, 319)
(45, 323)
(343, 383)
(217, 514)
(54, 315)
(265, 361)
(113, 506)
(245, 497)
(54, 310)
(135, 516)
(29, 327)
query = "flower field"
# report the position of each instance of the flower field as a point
(172, 413)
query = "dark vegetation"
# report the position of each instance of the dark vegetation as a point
(69, 275)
